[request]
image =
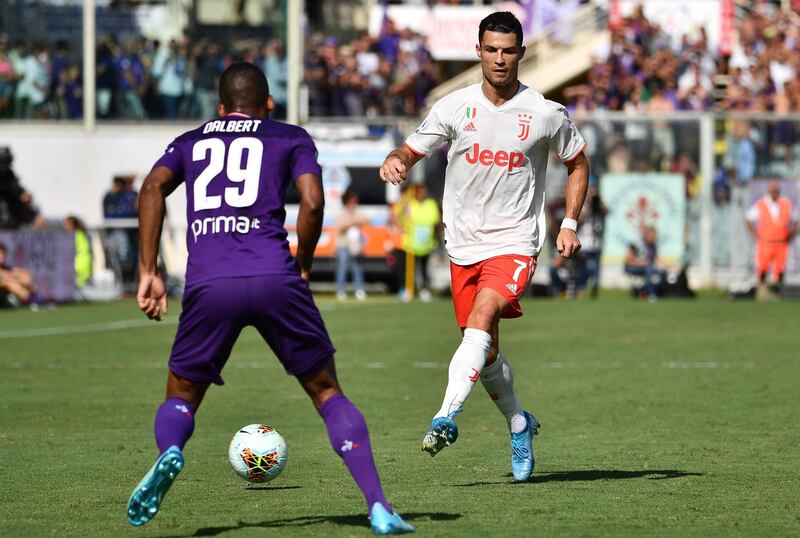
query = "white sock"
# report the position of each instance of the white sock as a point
(465, 369)
(498, 380)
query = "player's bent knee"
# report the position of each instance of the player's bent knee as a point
(320, 385)
(491, 355)
(185, 389)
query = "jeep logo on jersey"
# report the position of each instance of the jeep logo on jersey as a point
(488, 157)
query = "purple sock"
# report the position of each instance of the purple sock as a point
(174, 424)
(349, 437)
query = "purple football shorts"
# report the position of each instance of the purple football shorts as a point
(280, 307)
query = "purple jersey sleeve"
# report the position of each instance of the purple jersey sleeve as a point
(303, 159)
(172, 159)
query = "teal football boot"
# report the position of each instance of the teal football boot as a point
(443, 432)
(522, 458)
(146, 498)
(383, 522)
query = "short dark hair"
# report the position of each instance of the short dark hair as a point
(243, 85)
(503, 22)
(348, 195)
(3, 247)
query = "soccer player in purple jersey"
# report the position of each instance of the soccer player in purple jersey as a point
(240, 272)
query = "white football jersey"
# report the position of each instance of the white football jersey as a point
(495, 180)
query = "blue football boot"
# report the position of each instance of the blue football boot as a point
(522, 459)
(383, 522)
(146, 498)
(443, 432)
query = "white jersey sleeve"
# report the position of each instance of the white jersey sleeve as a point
(565, 140)
(752, 213)
(431, 133)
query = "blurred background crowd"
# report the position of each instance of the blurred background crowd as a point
(643, 70)
(139, 78)
(653, 97)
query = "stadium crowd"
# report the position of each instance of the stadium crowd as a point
(135, 79)
(390, 75)
(141, 78)
(643, 71)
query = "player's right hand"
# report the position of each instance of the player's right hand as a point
(152, 296)
(393, 170)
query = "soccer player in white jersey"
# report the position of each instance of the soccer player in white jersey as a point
(499, 132)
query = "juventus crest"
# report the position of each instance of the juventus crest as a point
(524, 122)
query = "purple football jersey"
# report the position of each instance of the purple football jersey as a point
(236, 171)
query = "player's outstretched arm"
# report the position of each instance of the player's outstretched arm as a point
(577, 184)
(309, 220)
(397, 163)
(152, 294)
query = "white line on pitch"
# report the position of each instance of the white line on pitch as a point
(429, 365)
(93, 328)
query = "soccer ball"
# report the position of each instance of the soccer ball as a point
(258, 453)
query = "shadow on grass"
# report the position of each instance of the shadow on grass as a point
(588, 476)
(359, 520)
(268, 488)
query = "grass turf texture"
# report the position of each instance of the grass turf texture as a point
(675, 418)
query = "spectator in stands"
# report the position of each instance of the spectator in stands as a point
(83, 250)
(209, 67)
(34, 82)
(59, 65)
(169, 69)
(130, 82)
(740, 158)
(276, 67)
(105, 78)
(642, 260)
(389, 41)
(7, 78)
(68, 94)
(16, 284)
(350, 246)
(121, 202)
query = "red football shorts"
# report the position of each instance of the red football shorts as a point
(509, 275)
(772, 253)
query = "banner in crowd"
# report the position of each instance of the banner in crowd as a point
(680, 17)
(789, 189)
(636, 201)
(452, 31)
(49, 255)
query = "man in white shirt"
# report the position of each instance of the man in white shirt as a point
(500, 133)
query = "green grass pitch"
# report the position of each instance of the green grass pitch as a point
(676, 418)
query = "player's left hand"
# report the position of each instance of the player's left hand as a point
(152, 296)
(567, 242)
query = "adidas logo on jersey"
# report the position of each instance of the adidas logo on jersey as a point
(512, 288)
(470, 128)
